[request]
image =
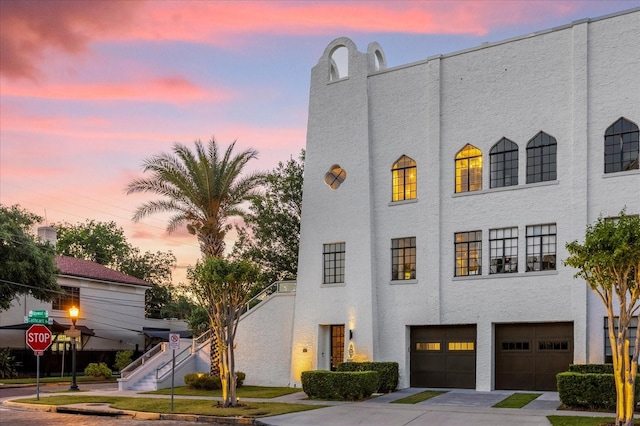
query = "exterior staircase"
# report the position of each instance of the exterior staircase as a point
(152, 371)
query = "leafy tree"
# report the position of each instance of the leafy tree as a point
(27, 266)
(202, 189)
(100, 242)
(223, 287)
(106, 244)
(271, 236)
(609, 261)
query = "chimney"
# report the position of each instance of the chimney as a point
(48, 234)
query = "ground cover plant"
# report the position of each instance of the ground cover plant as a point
(517, 400)
(243, 392)
(419, 397)
(181, 406)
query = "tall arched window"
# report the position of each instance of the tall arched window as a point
(405, 179)
(469, 169)
(541, 158)
(503, 158)
(621, 146)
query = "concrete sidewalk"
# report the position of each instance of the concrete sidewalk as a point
(455, 407)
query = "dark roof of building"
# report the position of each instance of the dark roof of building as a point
(88, 269)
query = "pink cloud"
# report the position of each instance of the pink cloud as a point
(29, 28)
(175, 90)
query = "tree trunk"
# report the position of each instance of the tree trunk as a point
(214, 369)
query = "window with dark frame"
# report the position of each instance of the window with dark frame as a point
(334, 260)
(633, 329)
(468, 169)
(541, 158)
(541, 247)
(403, 258)
(404, 179)
(503, 159)
(503, 247)
(621, 146)
(69, 297)
(468, 247)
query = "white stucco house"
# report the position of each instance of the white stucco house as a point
(111, 315)
(438, 199)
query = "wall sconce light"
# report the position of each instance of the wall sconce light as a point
(350, 334)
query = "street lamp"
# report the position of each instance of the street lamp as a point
(73, 334)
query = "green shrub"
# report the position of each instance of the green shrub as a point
(7, 365)
(202, 381)
(388, 373)
(240, 376)
(339, 385)
(591, 368)
(589, 390)
(98, 370)
(123, 358)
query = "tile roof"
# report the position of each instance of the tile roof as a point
(88, 269)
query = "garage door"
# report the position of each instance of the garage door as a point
(528, 356)
(443, 356)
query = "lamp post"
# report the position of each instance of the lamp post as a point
(73, 334)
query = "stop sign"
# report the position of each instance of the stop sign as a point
(38, 337)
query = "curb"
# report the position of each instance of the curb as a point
(100, 409)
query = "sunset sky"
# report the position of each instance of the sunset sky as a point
(89, 89)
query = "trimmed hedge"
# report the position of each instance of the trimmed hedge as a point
(339, 385)
(98, 370)
(388, 373)
(207, 382)
(591, 368)
(589, 390)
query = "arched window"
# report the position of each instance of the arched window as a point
(469, 169)
(405, 176)
(621, 146)
(541, 158)
(504, 164)
(339, 63)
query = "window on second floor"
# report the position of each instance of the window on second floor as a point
(503, 246)
(405, 186)
(334, 261)
(403, 258)
(468, 247)
(503, 159)
(541, 247)
(469, 169)
(69, 297)
(621, 146)
(541, 158)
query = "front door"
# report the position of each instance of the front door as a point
(337, 346)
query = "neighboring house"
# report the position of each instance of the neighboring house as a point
(438, 199)
(111, 316)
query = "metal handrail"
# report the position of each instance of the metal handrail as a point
(179, 359)
(276, 287)
(125, 372)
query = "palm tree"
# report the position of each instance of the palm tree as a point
(201, 188)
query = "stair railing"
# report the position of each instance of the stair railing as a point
(126, 372)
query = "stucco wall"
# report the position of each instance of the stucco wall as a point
(571, 82)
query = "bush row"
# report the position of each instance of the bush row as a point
(206, 382)
(388, 373)
(339, 385)
(589, 390)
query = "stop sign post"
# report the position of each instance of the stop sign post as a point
(38, 339)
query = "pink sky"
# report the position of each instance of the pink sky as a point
(90, 89)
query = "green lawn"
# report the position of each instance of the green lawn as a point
(242, 392)
(181, 406)
(517, 400)
(583, 421)
(61, 380)
(419, 397)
